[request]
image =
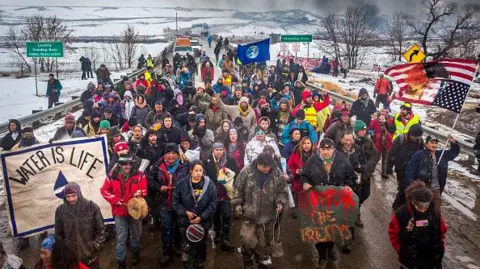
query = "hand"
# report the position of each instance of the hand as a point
(307, 186)
(298, 171)
(190, 215)
(164, 188)
(196, 220)
(348, 188)
(286, 177)
(451, 139)
(279, 207)
(238, 211)
(138, 193)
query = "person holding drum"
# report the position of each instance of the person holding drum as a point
(195, 201)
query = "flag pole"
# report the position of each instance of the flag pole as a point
(456, 120)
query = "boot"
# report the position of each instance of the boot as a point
(122, 265)
(359, 222)
(294, 214)
(167, 258)
(347, 249)
(135, 257)
(333, 254)
(227, 246)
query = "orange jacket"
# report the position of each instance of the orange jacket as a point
(383, 86)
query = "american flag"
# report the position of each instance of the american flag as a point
(423, 82)
(451, 95)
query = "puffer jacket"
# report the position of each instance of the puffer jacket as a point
(81, 226)
(205, 207)
(421, 164)
(259, 203)
(341, 173)
(115, 189)
(140, 112)
(255, 148)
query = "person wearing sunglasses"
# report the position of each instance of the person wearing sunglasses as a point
(416, 232)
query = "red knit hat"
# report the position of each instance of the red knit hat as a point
(262, 102)
(120, 146)
(306, 94)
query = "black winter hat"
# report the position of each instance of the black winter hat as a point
(415, 130)
(300, 114)
(114, 132)
(171, 147)
(132, 121)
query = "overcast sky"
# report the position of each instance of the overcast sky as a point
(318, 6)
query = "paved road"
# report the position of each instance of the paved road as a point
(372, 249)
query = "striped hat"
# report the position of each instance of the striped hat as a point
(195, 233)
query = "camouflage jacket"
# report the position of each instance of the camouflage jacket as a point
(259, 203)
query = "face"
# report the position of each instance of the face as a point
(265, 169)
(233, 136)
(158, 107)
(347, 141)
(260, 137)
(431, 145)
(215, 100)
(403, 112)
(51, 78)
(12, 126)
(270, 89)
(264, 125)
(362, 133)
(96, 119)
(307, 145)
(283, 106)
(327, 153)
(103, 131)
(108, 115)
(226, 126)
(364, 96)
(46, 257)
(185, 145)
(197, 171)
(296, 135)
(72, 199)
(309, 100)
(137, 132)
(422, 208)
(243, 106)
(126, 167)
(218, 153)
(152, 139)
(69, 125)
(345, 118)
(167, 122)
(201, 124)
(171, 156)
(298, 85)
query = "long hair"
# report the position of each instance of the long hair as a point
(240, 142)
(415, 187)
(63, 256)
(299, 146)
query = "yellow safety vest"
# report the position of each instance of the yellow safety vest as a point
(148, 77)
(403, 129)
(149, 62)
(322, 116)
(311, 116)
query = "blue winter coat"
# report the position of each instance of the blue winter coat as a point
(219, 88)
(420, 166)
(183, 200)
(183, 79)
(305, 128)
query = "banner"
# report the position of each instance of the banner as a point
(326, 213)
(34, 178)
(254, 52)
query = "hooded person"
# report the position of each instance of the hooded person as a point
(214, 116)
(344, 125)
(177, 105)
(65, 132)
(363, 108)
(201, 135)
(298, 88)
(140, 110)
(168, 133)
(84, 119)
(28, 139)
(86, 237)
(257, 144)
(127, 105)
(310, 107)
(417, 232)
(13, 136)
(244, 111)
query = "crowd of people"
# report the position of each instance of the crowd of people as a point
(176, 143)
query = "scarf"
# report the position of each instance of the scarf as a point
(364, 101)
(220, 163)
(244, 113)
(14, 135)
(171, 167)
(283, 115)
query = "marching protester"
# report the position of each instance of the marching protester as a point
(403, 148)
(54, 88)
(327, 167)
(9, 261)
(306, 129)
(259, 196)
(383, 130)
(13, 136)
(416, 231)
(382, 90)
(195, 202)
(85, 237)
(363, 108)
(405, 119)
(338, 128)
(122, 184)
(257, 144)
(55, 253)
(310, 107)
(66, 132)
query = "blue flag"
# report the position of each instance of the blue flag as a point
(254, 52)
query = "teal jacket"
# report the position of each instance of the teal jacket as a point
(55, 85)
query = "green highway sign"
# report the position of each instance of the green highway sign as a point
(296, 38)
(45, 49)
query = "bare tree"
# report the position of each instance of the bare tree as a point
(13, 43)
(331, 34)
(396, 31)
(116, 54)
(130, 39)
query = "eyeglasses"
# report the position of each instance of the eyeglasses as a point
(422, 205)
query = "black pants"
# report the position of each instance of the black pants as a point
(400, 198)
(84, 74)
(52, 99)
(323, 249)
(221, 220)
(194, 254)
(363, 190)
(381, 98)
(383, 156)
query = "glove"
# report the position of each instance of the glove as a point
(238, 211)
(371, 132)
(279, 207)
(358, 181)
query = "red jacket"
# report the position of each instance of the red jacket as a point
(114, 190)
(142, 82)
(383, 87)
(378, 135)
(294, 163)
(317, 105)
(204, 73)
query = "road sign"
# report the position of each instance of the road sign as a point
(296, 38)
(44, 49)
(414, 54)
(296, 47)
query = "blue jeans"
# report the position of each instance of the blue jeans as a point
(124, 225)
(168, 218)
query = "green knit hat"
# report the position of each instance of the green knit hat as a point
(359, 125)
(104, 124)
